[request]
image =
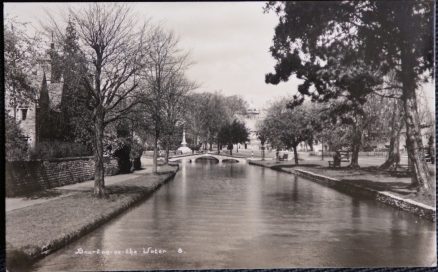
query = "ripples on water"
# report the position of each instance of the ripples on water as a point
(239, 216)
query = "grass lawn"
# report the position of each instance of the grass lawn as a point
(38, 229)
(374, 178)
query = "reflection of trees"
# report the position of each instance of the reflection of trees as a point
(295, 192)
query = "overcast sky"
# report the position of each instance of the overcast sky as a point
(229, 43)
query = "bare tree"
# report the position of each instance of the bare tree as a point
(196, 118)
(114, 46)
(166, 62)
(174, 108)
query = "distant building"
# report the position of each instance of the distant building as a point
(252, 116)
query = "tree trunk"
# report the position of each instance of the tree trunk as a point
(263, 152)
(99, 170)
(420, 172)
(322, 150)
(393, 160)
(295, 155)
(155, 159)
(211, 147)
(355, 145)
(167, 155)
(15, 105)
(207, 140)
(218, 148)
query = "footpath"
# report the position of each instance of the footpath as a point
(46, 221)
(366, 181)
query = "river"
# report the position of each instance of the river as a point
(242, 216)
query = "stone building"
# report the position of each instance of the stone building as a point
(252, 116)
(27, 114)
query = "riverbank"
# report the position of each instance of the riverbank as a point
(36, 230)
(393, 191)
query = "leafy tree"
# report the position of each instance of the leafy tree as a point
(341, 126)
(343, 36)
(262, 135)
(357, 120)
(16, 145)
(239, 132)
(216, 116)
(20, 62)
(44, 124)
(287, 128)
(210, 112)
(233, 133)
(76, 115)
(395, 118)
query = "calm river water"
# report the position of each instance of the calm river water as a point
(242, 216)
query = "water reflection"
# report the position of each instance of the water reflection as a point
(207, 160)
(295, 190)
(239, 216)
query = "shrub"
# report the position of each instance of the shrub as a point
(111, 166)
(137, 163)
(16, 145)
(195, 147)
(122, 155)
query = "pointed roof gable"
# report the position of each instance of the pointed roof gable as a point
(44, 100)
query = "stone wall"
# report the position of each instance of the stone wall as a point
(24, 177)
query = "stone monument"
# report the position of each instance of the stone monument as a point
(184, 148)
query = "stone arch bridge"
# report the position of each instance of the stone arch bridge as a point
(193, 157)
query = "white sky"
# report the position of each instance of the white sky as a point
(229, 43)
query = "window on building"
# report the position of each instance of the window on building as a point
(23, 114)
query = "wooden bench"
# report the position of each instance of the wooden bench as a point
(333, 165)
(403, 170)
(284, 158)
(345, 157)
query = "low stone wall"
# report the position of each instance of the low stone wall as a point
(24, 177)
(21, 253)
(387, 198)
(361, 153)
(408, 205)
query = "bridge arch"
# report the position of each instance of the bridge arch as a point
(220, 158)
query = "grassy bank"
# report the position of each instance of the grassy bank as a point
(35, 231)
(379, 185)
(380, 180)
